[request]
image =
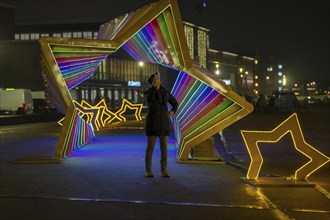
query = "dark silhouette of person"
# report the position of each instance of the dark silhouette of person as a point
(97, 99)
(158, 122)
(271, 102)
(261, 103)
(289, 102)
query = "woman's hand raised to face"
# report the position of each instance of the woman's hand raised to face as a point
(156, 82)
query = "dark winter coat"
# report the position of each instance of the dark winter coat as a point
(158, 122)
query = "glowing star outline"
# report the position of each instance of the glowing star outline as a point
(110, 38)
(104, 111)
(126, 104)
(291, 124)
(92, 114)
(95, 114)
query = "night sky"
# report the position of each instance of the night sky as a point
(295, 31)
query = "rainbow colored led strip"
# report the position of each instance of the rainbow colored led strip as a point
(81, 133)
(203, 110)
(152, 34)
(201, 113)
(67, 63)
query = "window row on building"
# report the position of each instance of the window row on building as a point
(75, 34)
(113, 95)
(124, 70)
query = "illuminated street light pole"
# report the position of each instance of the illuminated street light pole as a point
(241, 75)
(256, 78)
(280, 78)
(246, 82)
(217, 71)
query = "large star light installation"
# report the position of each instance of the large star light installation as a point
(151, 34)
(290, 125)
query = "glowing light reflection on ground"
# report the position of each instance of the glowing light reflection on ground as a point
(118, 144)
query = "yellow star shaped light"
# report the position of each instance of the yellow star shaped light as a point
(126, 104)
(106, 116)
(99, 115)
(290, 125)
(91, 113)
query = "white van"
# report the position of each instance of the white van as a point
(17, 101)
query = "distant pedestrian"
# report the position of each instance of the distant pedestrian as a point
(261, 103)
(97, 99)
(157, 122)
(271, 101)
(277, 101)
(107, 101)
(289, 102)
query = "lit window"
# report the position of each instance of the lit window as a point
(34, 36)
(57, 35)
(280, 66)
(44, 35)
(67, 34)
(280, 73)
(122, 94)
(88, 34)
(25, 36)
(77, 34)
(95, 35)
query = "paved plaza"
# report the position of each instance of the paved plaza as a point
(104, 179)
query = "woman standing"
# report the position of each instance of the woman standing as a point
(157, 122)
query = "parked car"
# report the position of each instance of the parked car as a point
(321, 97)
(40, 106)
(7, 112)
(302, 98)
(16, 101)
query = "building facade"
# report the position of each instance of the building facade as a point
(239, 72)
(119, 76)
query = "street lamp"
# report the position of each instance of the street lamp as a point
(217, 71)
